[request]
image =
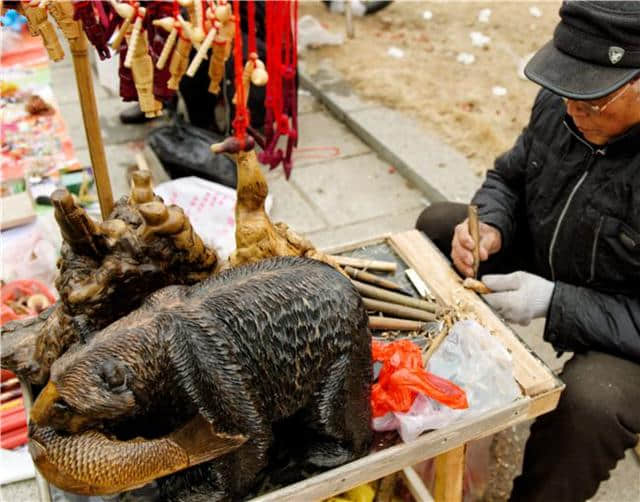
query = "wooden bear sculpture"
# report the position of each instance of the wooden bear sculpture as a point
(246, 349)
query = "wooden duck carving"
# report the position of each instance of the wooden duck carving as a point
(257, 237)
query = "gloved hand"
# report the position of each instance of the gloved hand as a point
(520, 296)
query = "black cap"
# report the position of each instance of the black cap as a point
(595, 50)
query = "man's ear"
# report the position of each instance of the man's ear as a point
(115, 375)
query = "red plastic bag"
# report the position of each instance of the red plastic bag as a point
(403, 376)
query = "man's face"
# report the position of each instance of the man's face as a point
(603, 119)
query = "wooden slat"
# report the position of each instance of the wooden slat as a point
(532, 375)
(351, 246)
(415, 485)
(449, 468)
(395, 458)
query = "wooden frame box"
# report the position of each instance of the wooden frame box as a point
(541, 392)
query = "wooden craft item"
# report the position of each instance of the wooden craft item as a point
(378, 265)
(62, 12)
(127, 12)
(398, 310)
(134, 38)
(254, 73)
(147, 243)
(172, 376)
(221, 46)
(179, 62)
(197, 21)
(38, 23)
(202, 50)
(172, 26)
(257, 237)
(376, 280)
(476, 285)
(388, 296)
(474, 230)
(142, 72)
(90, 463)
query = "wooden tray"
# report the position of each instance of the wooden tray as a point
(541, 389)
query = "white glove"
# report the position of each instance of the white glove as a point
(520, 296)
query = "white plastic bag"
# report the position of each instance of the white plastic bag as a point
(471, 358)
(312, 34)
(31, 251)
(210, 207)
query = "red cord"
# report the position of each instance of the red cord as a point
(251, 23)
(240, 121)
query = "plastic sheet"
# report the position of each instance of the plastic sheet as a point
(471, 358)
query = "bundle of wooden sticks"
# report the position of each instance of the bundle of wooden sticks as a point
(401, 310)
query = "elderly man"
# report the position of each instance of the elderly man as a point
(560, 238)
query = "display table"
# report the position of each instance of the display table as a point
(540, 393)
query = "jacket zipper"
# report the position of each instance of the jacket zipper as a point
(594, 250)
(594, 152)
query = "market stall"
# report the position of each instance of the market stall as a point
(95, 297)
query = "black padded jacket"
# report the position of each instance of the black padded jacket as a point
(579, 207)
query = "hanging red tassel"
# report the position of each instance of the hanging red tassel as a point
(241, 120)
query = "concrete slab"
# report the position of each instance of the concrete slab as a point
(624, 483)
(23, 491)
(120, 158)
(438, 170)
(357, 189)
(332, 90)
(112, 130)
(291, 206)
(307, 103)
(321, 136)
(360, 231)
(63, 81)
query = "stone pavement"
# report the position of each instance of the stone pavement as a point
(360, 170)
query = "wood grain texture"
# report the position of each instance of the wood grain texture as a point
(449, 468)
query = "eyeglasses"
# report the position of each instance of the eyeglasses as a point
(597, 109)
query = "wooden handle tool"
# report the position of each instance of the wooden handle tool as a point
(474, 230)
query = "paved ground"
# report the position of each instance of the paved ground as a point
(343, 188)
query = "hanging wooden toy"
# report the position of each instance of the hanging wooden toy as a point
(214, 25)
(254, 73)
(127, 13)
(62, 12)
(221, 45)
(178, 30)
(39, 25)
(137, 57)
(157, 38)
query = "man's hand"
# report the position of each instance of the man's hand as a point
(462, 246)
(520, 296)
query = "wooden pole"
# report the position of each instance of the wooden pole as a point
(449, 470)
(84, 81)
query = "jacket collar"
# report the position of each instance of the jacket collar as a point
(627, 139)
